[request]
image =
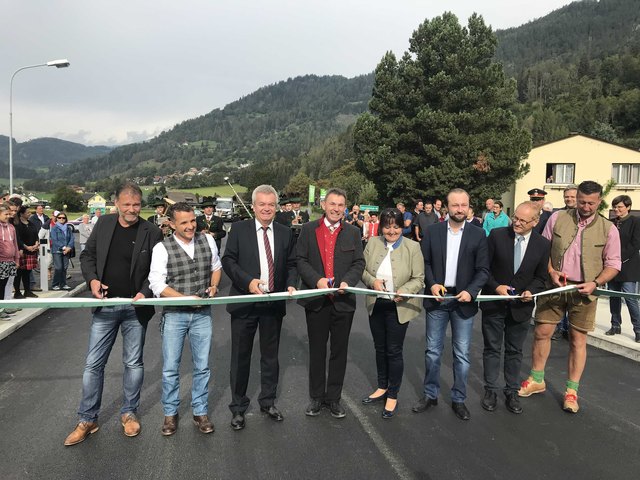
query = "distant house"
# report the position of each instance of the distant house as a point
(555, 165)
(175, 197)
(96, 201)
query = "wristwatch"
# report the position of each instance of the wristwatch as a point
(598, 284)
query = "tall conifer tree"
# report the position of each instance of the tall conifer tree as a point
(440, 117)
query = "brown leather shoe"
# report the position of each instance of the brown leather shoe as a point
(131, 424)
(82, 431)
(170, 425)
(203, 423)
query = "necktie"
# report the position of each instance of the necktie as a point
(517, 253)
(267, 249)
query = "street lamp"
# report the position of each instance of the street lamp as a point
(63, 63)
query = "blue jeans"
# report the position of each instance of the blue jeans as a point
(104, 329)
(60, 264)
(461, 330)
(174, 327)
(615, 305)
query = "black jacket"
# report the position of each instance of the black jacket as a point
(473, 263)
(629, 229)
(532, 274)
(241, 263)
(215, 227)
(348, 264)
(93, 259)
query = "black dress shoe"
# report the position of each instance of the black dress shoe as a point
(513, 404)
(424, 404)
(489, 401)
(389, 413)
(313, 409)
(237, 422)
(461, 410)
(273, 413)
(613, 331)
(336, 410)
(371, 400)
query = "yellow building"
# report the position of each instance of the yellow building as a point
(577, 158)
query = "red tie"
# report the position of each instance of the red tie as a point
(267, 249)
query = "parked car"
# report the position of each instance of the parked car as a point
(73, 224)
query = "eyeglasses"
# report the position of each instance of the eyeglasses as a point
(62, 218)
(515, 219)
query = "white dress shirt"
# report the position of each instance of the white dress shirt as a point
(524, 244)
(453, 250)
(160, 258)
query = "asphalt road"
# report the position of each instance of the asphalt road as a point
(40, 380)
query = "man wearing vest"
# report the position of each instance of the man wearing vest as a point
(585, 252)
(185, 264)
(329, 253)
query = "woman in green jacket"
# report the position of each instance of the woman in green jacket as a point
(394, 264)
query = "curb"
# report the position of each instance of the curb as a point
(35, 312)
(613, 345)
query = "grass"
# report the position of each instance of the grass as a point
(220, 190)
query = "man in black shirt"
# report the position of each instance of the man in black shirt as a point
(115, 263)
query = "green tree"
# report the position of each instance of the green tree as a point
(64, 195)
(298, 185)
(440, 117)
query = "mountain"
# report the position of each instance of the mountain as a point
(591, 28)
(277, 121)
(35, 154)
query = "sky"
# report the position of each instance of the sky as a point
(138, 68)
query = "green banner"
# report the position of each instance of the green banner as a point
(312, 194)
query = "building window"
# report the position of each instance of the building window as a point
(560, 172)
(626, 173)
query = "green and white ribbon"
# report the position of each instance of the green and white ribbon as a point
(75, 302)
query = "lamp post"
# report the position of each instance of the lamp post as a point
(53, 63)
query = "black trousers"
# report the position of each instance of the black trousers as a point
(496, 329)
(243, 331)
(3, 285)
(322, 325)
(388, 340)
(22, 276)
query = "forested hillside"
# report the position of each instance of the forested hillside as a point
(43, 152)
(277, 121)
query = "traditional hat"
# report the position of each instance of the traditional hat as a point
(207, 203)
(536, 194)
(284, 201)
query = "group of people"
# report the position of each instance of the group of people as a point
(19, 246)
(453, 261)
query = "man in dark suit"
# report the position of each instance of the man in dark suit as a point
(329, 253)
(115, 263)
(210, 223)
(40, 219)
(456, 264)
(285, 215)
(518, 259)
(259, 257)
(299, 216)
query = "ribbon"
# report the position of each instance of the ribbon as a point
(75, 302)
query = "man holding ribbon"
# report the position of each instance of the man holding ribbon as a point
(518, 259)
(329, 253)
(456, 268)
(585, 253)
(115, 263)
(259, 258)
(185, 264)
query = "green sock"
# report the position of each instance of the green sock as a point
(537, 375)
(573, 385)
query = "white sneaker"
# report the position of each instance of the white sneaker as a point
(55, 288)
